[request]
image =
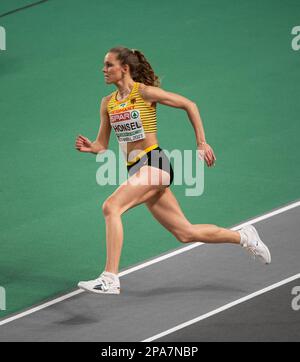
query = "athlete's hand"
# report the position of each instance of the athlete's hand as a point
(207, 153)
(83, 144)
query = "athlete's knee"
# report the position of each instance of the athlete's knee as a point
(185, 235)
(110, 207)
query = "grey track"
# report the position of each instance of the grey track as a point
(266, 318)
(171, 292)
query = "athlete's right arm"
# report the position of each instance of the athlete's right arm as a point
(83, 144)
(103, 136)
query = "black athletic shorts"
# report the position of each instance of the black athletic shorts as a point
(155, 158)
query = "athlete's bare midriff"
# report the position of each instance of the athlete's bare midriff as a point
(132, 149)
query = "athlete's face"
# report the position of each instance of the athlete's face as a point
(113, 70)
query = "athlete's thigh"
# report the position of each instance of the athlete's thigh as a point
(165, 208)
(136, 190)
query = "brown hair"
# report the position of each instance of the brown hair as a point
(140, 69)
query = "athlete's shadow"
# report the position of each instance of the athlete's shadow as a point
(184, 290)
(86, 308)
(67, 316)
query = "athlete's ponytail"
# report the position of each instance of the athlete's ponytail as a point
(140, 69)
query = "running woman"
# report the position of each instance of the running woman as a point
(131, 112)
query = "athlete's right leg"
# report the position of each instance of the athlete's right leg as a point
(165, 208)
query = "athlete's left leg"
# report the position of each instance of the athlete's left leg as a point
(140, 187)
(137, 189)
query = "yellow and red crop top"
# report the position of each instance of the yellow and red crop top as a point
(131, 117)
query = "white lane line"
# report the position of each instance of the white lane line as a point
(160, 258)
(148, 263)
(221, 309)
(268, 215)
(39, 307)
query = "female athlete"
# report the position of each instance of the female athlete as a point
(131, 112)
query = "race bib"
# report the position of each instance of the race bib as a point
(127, 125)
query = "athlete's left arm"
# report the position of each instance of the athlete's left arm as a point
(158, 95)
